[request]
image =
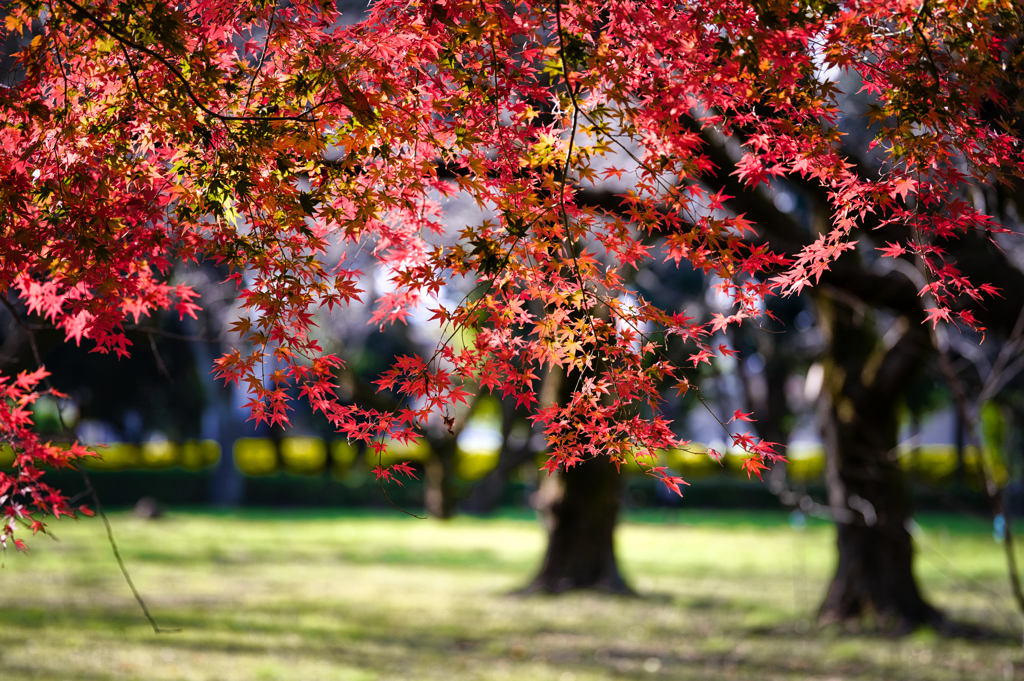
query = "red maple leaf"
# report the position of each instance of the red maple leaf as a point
(935, 314)
(754, 465)
(892, 251)
(903, 186)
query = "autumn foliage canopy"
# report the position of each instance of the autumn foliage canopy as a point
(139, 134)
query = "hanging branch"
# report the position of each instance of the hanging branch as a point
(157, 629)
(1003, 370)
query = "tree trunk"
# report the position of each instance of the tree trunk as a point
(439, 488)
(580, 507)
(514, 452)
(220, 422)
(868, 491)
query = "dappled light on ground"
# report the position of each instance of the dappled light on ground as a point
(290, 595)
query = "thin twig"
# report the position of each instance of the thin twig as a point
(161, 367)
(967, 415)
(85, 477)
(117, 555)
(991, 490)
(263, 56)
(106, 28)
(380, 481)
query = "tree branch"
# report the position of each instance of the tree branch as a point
(106, 28)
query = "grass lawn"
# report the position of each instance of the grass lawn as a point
(318, 596)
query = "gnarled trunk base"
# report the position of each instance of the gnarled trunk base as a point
(868, 490)
(875, 576)
(581, 507)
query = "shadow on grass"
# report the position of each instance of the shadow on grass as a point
(21, 671)
(862, 629)
(378, 644)
(471, 559)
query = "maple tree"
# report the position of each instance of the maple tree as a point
(137, 134)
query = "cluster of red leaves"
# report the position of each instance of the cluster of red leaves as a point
(23, 495)
(391, 473)
(257, 134)
(941, 76)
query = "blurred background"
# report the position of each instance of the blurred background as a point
(279, 556)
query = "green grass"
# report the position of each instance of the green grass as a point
(317, 596)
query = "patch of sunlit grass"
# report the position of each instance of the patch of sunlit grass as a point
(297, 595)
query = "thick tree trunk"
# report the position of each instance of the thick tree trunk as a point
(581, 507)
(867, 489)
(875, 575)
